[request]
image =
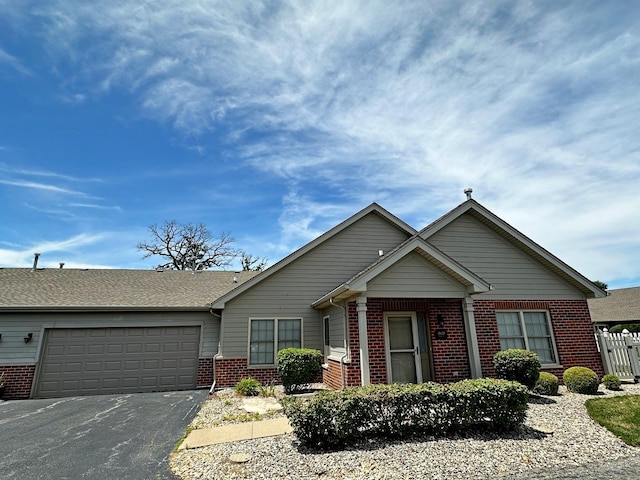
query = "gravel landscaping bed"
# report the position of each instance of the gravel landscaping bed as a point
(558, 435)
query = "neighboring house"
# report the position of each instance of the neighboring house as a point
(620, 306)
(384, 302)
(84, 332)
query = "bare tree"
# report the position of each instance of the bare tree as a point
(188, 246)
(249, 262)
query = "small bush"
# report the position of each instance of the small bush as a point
(581, 380)
(547, 384)
(298, 367)
(248, 387)
(333, 419)
(518, 365)
(611, 382)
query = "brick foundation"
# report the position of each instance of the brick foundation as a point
(230, 371)
(18, 380)
(331, 375)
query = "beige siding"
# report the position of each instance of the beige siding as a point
(15, 326)
(290, 292)
(413, 276)
(514, 274)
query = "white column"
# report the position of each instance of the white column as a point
(361, 302)
(472, 338)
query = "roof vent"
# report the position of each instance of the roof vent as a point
(467, 192)
(159, 269)
(235, 279)
(61, 265)
(380, 253)
(36, 256)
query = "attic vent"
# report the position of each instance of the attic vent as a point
(159, 269)
(467, 192)
(380, 253)
(235, 279)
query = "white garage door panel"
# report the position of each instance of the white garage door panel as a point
(94, 361)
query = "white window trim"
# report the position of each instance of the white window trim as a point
(275, 339)
(520, 313)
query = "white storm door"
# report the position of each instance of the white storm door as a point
(403, 351)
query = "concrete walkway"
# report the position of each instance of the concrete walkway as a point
(232, 433)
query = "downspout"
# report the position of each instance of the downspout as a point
(346, 341)
(215, 355)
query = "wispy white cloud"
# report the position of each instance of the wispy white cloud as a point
(406, 103)
(41, 186)
(13, 62)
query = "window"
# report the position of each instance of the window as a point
(265, 334)
(529, 331)
(326, 334)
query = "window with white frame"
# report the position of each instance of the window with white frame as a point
(326, 334)
(270, 335)
(529, 330)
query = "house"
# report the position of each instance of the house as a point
(620, 306)
(383, 302)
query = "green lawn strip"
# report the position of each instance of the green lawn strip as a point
(620, 415)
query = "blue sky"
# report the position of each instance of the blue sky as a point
(274, 121)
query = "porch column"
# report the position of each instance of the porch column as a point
(472, 338)
(361, 303)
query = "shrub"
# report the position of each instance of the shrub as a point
(631, 327)
(298, 367)
(518, 365)
(611, 382)
(547, 384)
(248, 387)
(581, 380)
(333, 419)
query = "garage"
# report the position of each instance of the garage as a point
(95, 361)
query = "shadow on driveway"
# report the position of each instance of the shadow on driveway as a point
(100, 437)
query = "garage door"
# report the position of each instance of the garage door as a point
(94, 361)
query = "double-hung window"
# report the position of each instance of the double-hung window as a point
(267, 336)
(528, 330)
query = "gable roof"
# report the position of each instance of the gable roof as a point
(374, 208)
(357, 284)
(518, 239)
(106, 289)
(622, 305)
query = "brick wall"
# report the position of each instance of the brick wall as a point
(571, 325)
(331, 376)
(205, 372)
(450, 356)
(230, 371)
(18, 380)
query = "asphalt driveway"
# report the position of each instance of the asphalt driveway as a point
(100, 437)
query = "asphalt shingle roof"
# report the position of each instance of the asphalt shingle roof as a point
(622, 304)
(76, 288)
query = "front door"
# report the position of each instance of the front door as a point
(403, 350)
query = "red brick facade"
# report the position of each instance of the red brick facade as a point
(18, 380)
(571, 323)
(570, 320)
(205, 372)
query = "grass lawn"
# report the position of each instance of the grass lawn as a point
(620, 415)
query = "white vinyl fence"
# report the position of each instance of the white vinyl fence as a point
(620, 353)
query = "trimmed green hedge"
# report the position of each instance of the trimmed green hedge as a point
(298, 367)
(333, 419)
(547, 384)
(519, 365)
(581, 380)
